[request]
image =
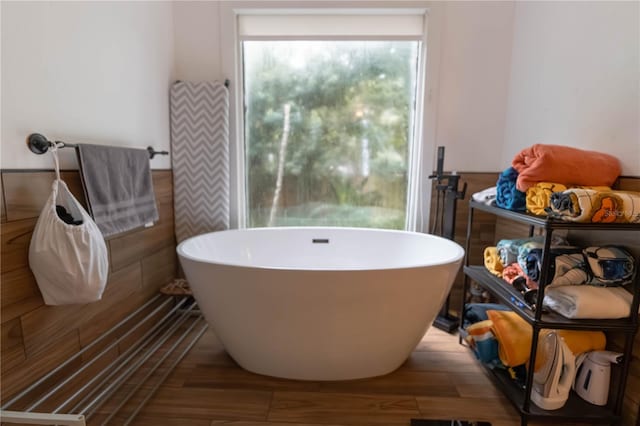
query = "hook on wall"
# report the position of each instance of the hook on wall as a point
(38, 144)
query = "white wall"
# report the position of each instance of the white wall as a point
(575, 76)
(95, 72)
(473, 72)
(473, 84)
(510, 75)
(197, 40)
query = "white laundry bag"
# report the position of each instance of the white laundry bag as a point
(70, 261)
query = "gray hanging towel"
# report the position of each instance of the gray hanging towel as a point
(200, 157)
(118, 187)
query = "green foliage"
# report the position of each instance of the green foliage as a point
(344, 96)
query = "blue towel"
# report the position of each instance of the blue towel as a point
(476, 312)
(508, 249)
(508, 197)
(524, 250)
(534, 262)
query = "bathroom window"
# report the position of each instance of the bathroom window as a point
(329, 119)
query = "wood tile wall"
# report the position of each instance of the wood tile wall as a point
(34, 337)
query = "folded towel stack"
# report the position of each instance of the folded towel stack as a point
(507, 195)
(539, 195)
(509, 250)
(586, 301)
(587, 205)
(565, 165)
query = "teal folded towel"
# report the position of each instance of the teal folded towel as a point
(507, 196)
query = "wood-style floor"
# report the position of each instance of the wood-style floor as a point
(440, 380)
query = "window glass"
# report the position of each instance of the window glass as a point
(328, 125)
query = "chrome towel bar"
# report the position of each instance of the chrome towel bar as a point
(38, 144)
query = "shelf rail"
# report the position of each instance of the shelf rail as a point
(520, 398)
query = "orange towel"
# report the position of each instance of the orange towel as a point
(565, 165)
(514, 338)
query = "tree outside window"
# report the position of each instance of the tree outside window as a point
(328, 126)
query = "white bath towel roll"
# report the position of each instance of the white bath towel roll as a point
(586, 301)
(486, 196)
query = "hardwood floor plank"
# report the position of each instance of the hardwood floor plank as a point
(319, 407)
(155, 421)
(200, 403)
(397, 383)
(478, 391)
(478, 409)
(245, 423)
(435, 361)
(436, 340)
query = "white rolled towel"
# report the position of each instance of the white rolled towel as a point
(486, 196)
(587, 301)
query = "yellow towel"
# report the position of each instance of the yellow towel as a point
(538, 196)
(492, 261)
(514, 338)
(513, 335)
(583, 341)
(578, 341)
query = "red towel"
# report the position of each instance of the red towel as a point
(565, 165)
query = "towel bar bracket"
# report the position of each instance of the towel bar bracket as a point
(38, 144)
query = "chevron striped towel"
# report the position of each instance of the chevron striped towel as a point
(118, 187)
(586, 205)
(200, 157)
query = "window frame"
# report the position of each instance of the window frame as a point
(421, 149)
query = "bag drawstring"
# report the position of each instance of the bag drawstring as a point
(54, 152)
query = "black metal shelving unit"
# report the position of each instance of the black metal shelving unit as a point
(575, 409)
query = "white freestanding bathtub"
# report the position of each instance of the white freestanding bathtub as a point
(319, 303)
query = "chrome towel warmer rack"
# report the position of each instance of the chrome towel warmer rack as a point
(38, 144)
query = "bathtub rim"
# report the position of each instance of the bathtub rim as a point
(458, 257)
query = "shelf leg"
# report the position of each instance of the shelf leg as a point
(531, 362)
